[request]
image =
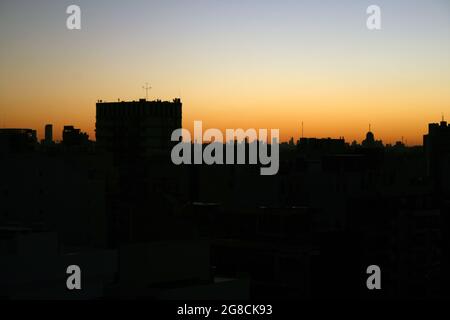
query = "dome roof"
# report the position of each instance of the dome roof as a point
(370, 136)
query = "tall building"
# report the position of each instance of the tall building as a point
(437, 151)
(137, 136)
(48, 134)
(137, 128)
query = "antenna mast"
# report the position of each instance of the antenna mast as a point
(146, 88)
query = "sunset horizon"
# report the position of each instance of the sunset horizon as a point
(303, 129)
(252, 65)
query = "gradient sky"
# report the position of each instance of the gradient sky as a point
(235, 63)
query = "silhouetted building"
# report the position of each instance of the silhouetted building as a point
(32, 263)
(48, 134)
(17, 140)
(319, 147)
(136, 128)
(74, 137)
(137, 135)
(370, 141)
(437, 151)
(65, 192)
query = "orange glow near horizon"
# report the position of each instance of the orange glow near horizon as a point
(335, 111)
(318, 121)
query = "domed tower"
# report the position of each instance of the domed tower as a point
(370, 139)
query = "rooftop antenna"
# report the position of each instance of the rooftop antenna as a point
(369, 127)
(442, 117)
(146, 88)
(302, 130)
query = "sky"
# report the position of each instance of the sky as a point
(234, 63)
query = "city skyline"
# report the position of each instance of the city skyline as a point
(234, 65)
(57, 136)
